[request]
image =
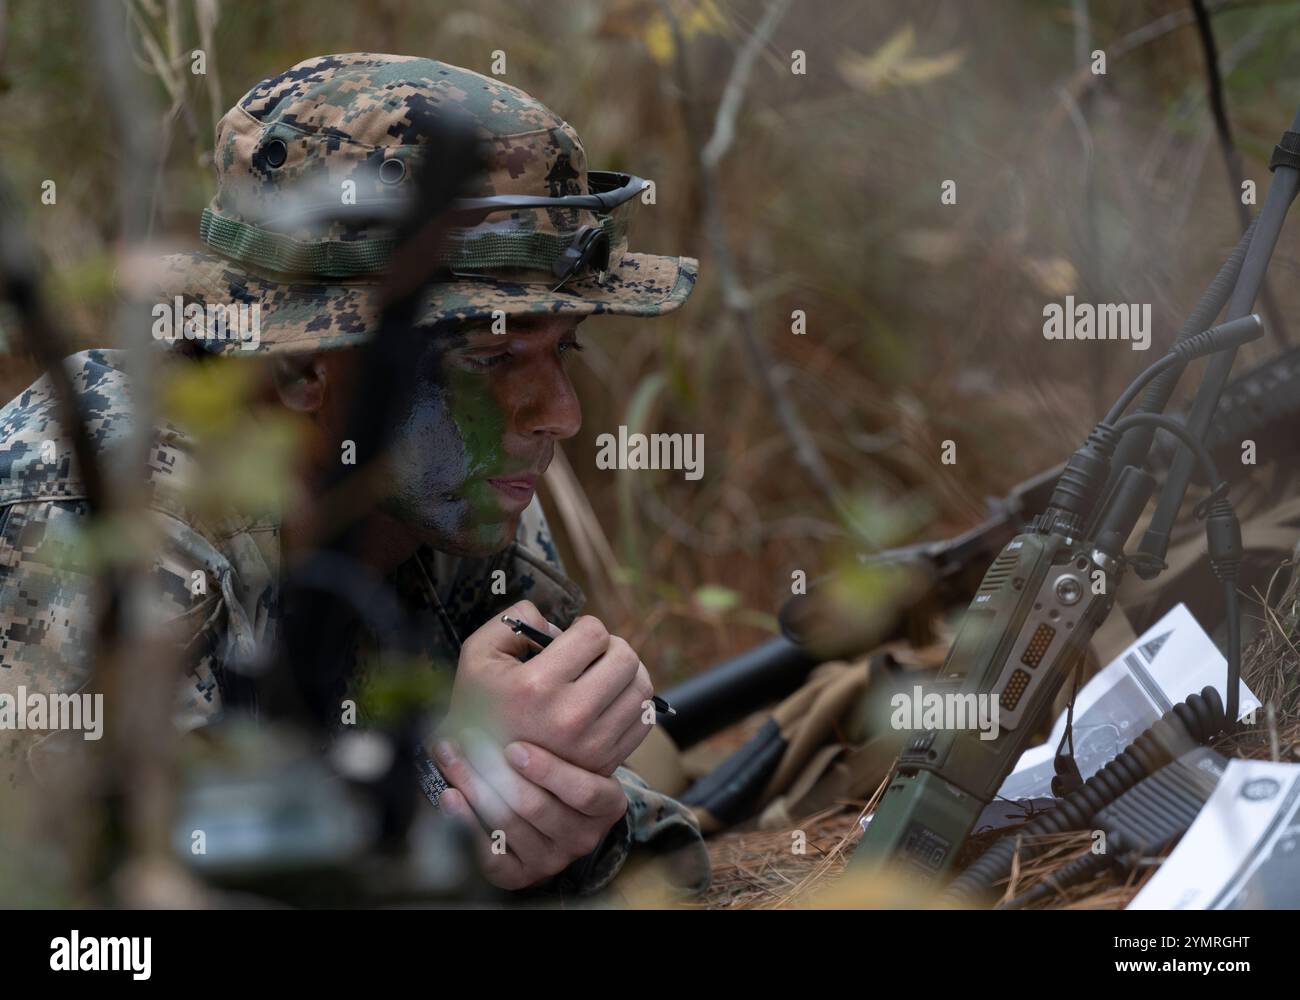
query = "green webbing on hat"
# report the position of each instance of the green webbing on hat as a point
(264, 249)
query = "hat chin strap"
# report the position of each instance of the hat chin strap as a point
(465, 253)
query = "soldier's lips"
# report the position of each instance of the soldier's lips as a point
(516, 490)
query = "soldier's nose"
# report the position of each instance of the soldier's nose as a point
(550, 406)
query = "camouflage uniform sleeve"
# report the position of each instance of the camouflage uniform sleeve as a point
(664, 825)
(48, 616)
(653, 823)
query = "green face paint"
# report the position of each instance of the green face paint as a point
(447, 446)
(481, 424)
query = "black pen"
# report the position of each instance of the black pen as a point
(544, 640)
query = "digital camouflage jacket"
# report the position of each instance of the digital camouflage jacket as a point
(47, 620)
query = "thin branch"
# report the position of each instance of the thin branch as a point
(206, 15)
(1082, 33)
(736, 298)
(733, 95)
(134, 665)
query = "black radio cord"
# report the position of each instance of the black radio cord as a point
(1197, 720)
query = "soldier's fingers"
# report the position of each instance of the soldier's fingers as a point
(626, 709)
(484, 778)
(499, 867)
(455, 805)
(574, 650)
(497, 636)
(567, 829)
(488, 806)
(588, 793)
(632, 738)
(609, 677)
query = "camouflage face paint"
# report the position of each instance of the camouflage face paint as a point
(449, 443)
(481, 424)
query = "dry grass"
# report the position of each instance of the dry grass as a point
(759, 870)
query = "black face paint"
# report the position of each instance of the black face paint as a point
(448, 441)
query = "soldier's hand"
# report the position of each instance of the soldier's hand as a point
(583, 697)
(529, 818)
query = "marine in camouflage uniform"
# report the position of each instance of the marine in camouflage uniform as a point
(283, 151)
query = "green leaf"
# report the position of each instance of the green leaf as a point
(716, 599)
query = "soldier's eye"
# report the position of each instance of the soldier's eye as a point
(569, 345)
(488, 360)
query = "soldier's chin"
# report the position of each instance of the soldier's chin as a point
(482, 540)
(473, 537)
(450, 524)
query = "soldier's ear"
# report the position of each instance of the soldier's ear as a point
(301, 381)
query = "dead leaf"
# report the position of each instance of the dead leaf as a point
(892, 65)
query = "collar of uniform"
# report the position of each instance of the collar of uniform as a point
(466, 592)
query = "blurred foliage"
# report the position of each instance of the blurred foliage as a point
(895, 65)
(403, 690)
(249, 448)
(694, 18)
(923, 319)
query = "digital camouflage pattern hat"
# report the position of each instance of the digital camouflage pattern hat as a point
(344, 130)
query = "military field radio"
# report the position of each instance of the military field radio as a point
(1053, 585)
